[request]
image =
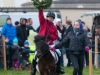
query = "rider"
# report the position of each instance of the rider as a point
(47, 28)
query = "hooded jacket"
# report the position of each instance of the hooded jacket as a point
(9, 31)
(77, 42)
(15, 52)
(47, 27)
(25, 53)
(22, 33)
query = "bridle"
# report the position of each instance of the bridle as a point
(43, 53)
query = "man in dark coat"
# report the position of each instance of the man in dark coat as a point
(61, 28)
(64, 30)
(69, 28)
(22, 32)
(29, 25)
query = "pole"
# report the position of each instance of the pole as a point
(4, 53)
(90, 63)
(96, 50)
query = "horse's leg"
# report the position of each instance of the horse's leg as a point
(43, 73)
(52, 72)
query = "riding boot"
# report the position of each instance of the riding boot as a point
(33, 72)
(58, 69)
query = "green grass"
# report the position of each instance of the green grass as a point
(68, 71)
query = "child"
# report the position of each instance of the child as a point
(25, 54)
(15, 54)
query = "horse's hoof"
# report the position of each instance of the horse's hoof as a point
(57, 74)
(32, 73)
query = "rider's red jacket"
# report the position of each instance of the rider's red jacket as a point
(47, 27)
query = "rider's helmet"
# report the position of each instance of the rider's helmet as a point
(51, 14)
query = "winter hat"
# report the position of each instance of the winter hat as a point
(58, 20)
(15, 40)
(8, 19)
(81, 26)
(16, 23)
(26, 42)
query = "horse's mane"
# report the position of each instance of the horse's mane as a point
(41, 43)
(38, 38)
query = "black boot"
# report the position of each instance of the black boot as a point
(33, 72)
(58, 69)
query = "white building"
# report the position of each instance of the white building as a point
(12, 3)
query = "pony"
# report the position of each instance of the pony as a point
(46, 62)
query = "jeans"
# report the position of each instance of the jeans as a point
(87, 58)
(78, 63)
(62, 61)
(8, 56)
(68, 57)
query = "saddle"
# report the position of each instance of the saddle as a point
(54, 54)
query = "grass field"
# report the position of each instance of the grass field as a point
(68, 71)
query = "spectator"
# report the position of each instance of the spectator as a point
(87, 31)
(25, 54)
(37, 30)
(60, 28)
(21, 19)
(77, 39)
(69, 28)
(89, 35)
(97, 33)
(83, 23)
(22, 32)
(15, 54)
(17, 24)
(9, 32)
(29, 25)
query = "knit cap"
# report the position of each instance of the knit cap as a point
(15, 40)
(26, 42)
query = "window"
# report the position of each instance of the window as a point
(58, 16)
(1, 3)
(3, 19)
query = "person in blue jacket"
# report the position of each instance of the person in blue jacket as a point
(9, 32)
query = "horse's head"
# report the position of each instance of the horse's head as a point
(39, 38)
(41, 46)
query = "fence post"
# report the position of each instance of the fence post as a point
(90, 63)
(96, 50)
(4, 53)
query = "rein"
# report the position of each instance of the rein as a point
(43, 53)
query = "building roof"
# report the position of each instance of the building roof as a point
(75, 1)
(69, 5)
